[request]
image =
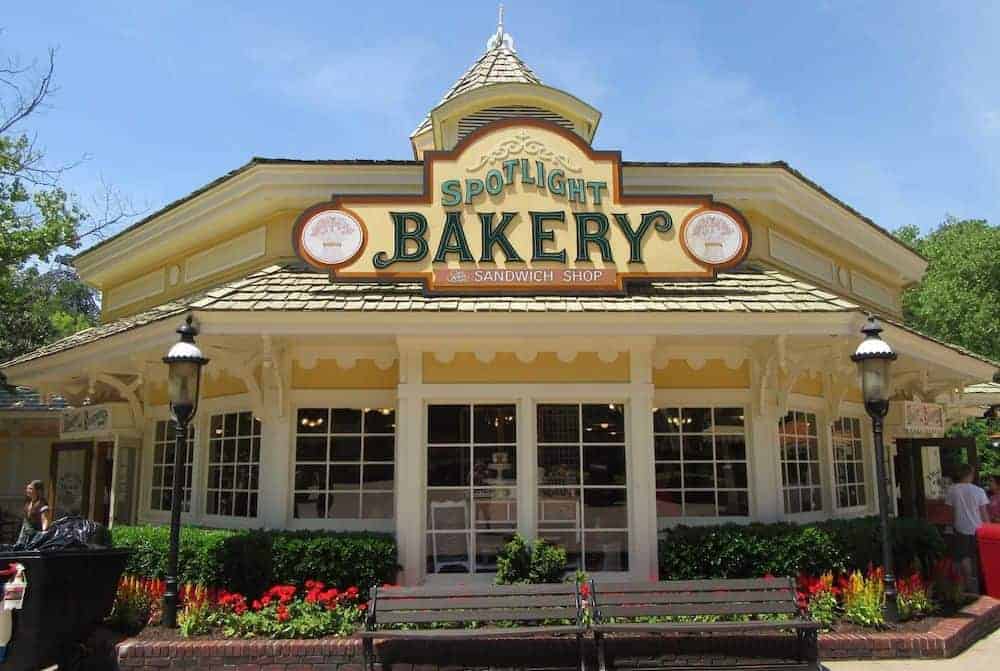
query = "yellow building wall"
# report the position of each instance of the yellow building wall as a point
(465, 368)
(715, 374)
(326, 374)
(808, 385)
(224, 385)
(278, 245)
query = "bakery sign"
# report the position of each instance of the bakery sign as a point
(521, 205)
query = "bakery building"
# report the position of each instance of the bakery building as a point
(516, 330)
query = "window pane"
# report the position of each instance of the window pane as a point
(730, 448)
(345, 505)
(603, 423)
(669, 504)
(696, 420)
(380, 420)
(605, 508)
(310, 448)
(378, 476)
(379, 448)
(668, 476)
(697, 448)
(729, 420)
(495, 465)
(495, 424)
(733, 503)
(448, 424)
(699, 504)
(313, 420)
(378, 506)
(558, 423)
(607, 551)
(603, 465)
(346, 420)
(448, 467)
(666, 420)
(558, 465)
(345, 448)
(344, 477)
(667, 448)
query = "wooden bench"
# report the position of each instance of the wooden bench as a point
(397, 613)
(615, 606)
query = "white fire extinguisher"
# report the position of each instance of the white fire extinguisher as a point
(11, 599)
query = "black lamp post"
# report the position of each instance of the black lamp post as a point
(873, 357)
(183, 378)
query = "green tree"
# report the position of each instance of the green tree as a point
(958, 299)
(41, 299)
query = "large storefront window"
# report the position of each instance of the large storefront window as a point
(344, 463)
(799, 444)
(161, 490)
(471, 485)
(848, 462)
(582, 488)
(233, 465)
(701, 462)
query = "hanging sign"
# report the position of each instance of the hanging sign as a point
(923, 417)
(521, 205)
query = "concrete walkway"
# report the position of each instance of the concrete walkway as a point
(980, 657)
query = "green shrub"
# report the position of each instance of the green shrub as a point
(548, 563)
(540, 562)
(249, 562)
(753, 550)
(342, 559)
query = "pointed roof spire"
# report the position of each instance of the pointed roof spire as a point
(500, 38)
(499, 64)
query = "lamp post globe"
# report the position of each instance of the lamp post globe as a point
(873, 357)
(184, 363)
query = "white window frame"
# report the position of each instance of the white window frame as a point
(339, 398)
(867, 463)
(819, 421)
(148, 477)
(360, 490)
(666, 522)
(702, 398)
(581, 529)
(209, 463)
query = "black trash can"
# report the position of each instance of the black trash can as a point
(69, 594)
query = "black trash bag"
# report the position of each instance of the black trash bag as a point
(69, 533)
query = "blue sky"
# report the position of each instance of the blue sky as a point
(893, 107)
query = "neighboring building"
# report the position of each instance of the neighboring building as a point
(28, 427)
(512, 332)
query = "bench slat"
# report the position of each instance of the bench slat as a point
(496, 601)
(695, 585)
(696, 609)
(474, 590)
(756, 625)
(752, 596)
(480, 615)
(485, 632)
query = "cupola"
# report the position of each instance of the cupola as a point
(499, 85)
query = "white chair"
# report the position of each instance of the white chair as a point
(447, 546)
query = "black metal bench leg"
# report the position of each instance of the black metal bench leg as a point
(580, 652)
(368, 655)
(601, 660)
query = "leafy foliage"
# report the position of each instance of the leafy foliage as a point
(519, 562)
(755, 550)
(958, 299)
(249, 561)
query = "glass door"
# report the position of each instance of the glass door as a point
(582, 483)
(70, 479)
(471, 485)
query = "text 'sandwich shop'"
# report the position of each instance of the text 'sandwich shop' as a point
(513, 332)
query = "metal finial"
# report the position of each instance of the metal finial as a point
(500, 38)
(500, 23)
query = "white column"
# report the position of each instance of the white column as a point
(643, 555)
(274, 504)
(527, 468)
(767, 504)
(411, 469)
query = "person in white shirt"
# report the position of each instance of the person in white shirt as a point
(970, 508)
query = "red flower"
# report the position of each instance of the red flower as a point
(585, 590)
(362, 606)
(282, 614)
